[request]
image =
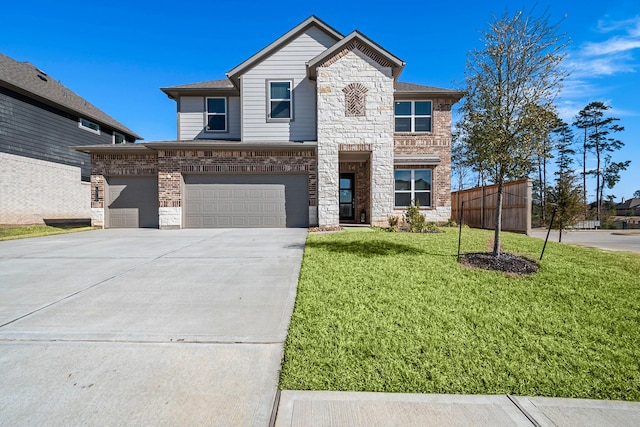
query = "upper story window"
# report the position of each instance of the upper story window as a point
(216, 114)
(355, 100)
(412, 185)
(88, 125)
(280, 105)
(118, 138)
(413, 116)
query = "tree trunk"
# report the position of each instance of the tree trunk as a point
(544, 183)
(560, 235)
(540, 187)
(584, 175)
(498, 223)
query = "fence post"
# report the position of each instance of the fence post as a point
(460, 230)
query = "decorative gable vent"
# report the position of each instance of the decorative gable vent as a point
(355, 100)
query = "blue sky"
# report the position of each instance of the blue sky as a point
(118, 54)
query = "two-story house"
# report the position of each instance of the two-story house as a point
(41, 177)
(314, 129)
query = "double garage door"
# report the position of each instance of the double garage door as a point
(214, 201)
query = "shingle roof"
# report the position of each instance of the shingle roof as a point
(410, 88)
(26, 78)
(629, 203)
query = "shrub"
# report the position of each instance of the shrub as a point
(414, 219)
(393, 223)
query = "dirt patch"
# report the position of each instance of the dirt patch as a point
(326, 229)
(507, 263)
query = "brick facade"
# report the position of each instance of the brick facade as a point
(33, 190)
(171, 165)
(437, 142)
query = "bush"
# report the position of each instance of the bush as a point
(393, 223)
(414, 219)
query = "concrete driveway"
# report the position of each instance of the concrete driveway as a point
(145, 327)
(611, 240)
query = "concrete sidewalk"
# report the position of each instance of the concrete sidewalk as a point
(145, 327)
(331, 408)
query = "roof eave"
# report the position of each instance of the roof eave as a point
(113, 148)
(174, 93)
(454, 95)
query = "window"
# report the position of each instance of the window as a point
(118, 138)
(216, 115)
(280, 106)
(87, 125)
(413, 116)
(412, 185)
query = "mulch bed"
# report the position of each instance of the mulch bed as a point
(507, 263)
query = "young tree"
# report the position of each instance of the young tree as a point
(518, 67)
(597, 130)
(566, 196)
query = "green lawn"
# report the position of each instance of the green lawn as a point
(9, 233)
(395, 312)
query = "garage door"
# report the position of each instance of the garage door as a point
(213, 201)
(132, 202)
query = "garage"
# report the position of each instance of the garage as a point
(132, 202)
(218, 201)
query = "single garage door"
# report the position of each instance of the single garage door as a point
(214, 201)
(132, 202)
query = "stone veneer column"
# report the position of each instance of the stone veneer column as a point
(374, 129)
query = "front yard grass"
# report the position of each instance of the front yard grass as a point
(395, 312)
(10, 233)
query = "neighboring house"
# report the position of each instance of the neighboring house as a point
(630, 207)
(314, 129)
(40, 119)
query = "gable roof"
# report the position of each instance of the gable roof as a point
(363, 43)
(25, 78)
(412, 90)
(218, 87)
(311, 21)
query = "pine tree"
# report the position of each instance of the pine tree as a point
(566, 196)
(597, 138)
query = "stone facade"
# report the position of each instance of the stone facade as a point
(336, 128)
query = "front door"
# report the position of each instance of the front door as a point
(347, 208)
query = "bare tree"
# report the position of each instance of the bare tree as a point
(518, 67)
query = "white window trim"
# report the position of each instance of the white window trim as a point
(269, 99)
(124, 138)
(413, 190)
(207, 114)
(413, 115)
(81, 125)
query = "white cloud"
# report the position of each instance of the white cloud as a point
(613, 45)
(611, 56)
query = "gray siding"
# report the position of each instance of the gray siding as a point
(31, 129)
(192, 121)
(288, 64)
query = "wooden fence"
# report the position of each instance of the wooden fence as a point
(480, 206)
